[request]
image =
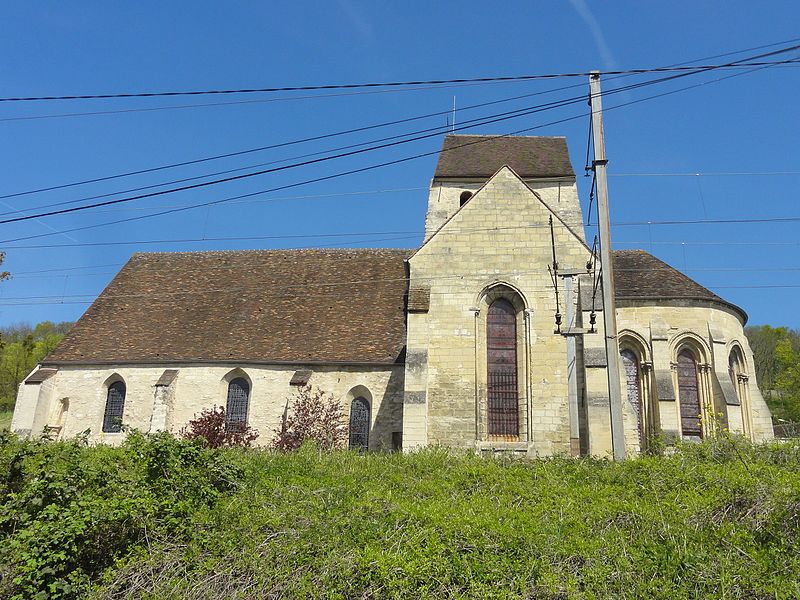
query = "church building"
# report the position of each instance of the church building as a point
(487, 337)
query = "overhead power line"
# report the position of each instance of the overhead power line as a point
(437, 131)
(55, 275)
(303, 289)
(341, 94)
(277, 145)
(353, 86)
(365, 128)
(708, 174)
(393, 162)
(426, 134)
(411, 233)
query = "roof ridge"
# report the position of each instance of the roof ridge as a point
(500, 135)
(275, 251)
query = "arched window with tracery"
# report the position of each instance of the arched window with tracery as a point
(736, 371)
(502, 389)
(689, 395)
(633, 386)
(359, 424)
(237, 404)
(115, 407)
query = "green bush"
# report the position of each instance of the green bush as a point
(159, 518)
(68, 511)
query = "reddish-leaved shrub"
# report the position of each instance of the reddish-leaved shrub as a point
(315, 416)
(212, 426)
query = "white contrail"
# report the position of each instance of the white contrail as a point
(583, 11)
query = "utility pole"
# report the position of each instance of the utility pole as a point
(599, 165)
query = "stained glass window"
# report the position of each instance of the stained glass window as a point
(115, 406)
(236, 408)
(359, 424)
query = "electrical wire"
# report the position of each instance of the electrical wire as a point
(506, 116)
(280, 144)
(352, 86)
(708, 174)
(392, 123)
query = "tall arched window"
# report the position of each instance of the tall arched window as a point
(502, 391)
(633, 385)
(359, 424)
(689, 395)
(115, 407)
(236, 407)
(735, 369)
(736, 372)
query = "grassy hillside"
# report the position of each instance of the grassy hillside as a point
(158, 518)
(5, 419)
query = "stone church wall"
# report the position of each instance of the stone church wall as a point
(197, 387)
(715, 331)
(656, 332)
(499, 242)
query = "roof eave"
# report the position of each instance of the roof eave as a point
(621, 300)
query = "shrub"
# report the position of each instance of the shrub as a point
(316, 416)
(211, 426)
(68, 511)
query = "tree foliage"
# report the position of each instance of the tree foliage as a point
(21, 348)
(315, 416)
(777, 363)
(211, 427)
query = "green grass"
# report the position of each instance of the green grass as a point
(159, 518)
(5, 419)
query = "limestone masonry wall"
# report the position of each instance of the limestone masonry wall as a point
(202, 386)
(498, 243)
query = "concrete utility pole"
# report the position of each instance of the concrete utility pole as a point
(609, 305)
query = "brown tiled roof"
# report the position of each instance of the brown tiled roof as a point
(482, 156)
(261, 306)
(640, 275)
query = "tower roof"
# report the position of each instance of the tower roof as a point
(481, 156)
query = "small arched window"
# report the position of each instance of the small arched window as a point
(630, 365)
(502, 391)
(115, 407)
(689, 395)
(359, 424)
(236, 406)
(465, 196)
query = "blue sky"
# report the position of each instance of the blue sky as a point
(744, 124)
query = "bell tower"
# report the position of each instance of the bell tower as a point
(467, 162)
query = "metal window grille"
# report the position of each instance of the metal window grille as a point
(359, 424)
(115, 406)
(688, 395)
(502, 388)
(236, 407)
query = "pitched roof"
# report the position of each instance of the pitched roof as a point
(261, 306)
(468, 156)
(640, 275)
(293, 306)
